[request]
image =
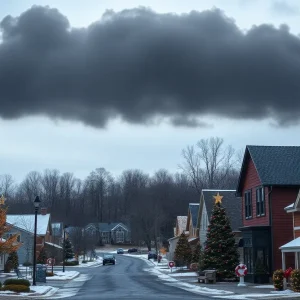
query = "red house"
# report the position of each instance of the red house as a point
(269, 181)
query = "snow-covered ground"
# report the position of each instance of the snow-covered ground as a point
(60, 275)
(168, 276)
(35, 291)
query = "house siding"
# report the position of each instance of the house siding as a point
(282, 223)
(297, 219)
(203, 228)
(251, 182)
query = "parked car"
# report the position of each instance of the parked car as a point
(131, 250)
(120, 251)
(152, 255)
(109, 259)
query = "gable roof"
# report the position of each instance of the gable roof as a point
(106, 227)
(193, 210)
(275, 165)
(230, 202)
(26, 222)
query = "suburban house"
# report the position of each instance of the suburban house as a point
(178, 230)
(191, 223)
(110, 233)
(269, 181)
(233, 207)
(23, 225)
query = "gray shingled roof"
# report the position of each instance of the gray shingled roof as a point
(106, 227)
(230, 202)
(276, 165)
(194, 208)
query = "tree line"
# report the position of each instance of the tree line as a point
(147, 203)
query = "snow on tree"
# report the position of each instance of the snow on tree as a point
(68, 250)
(183, 251)
(220, 250)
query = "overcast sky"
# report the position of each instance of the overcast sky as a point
(128, 84)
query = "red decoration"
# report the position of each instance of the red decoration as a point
(287, 273)
(241, 270)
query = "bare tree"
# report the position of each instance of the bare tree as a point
(218, 163)
(7, 186)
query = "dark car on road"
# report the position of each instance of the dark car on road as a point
(120, 251)
(131, 250)
(152, 255)
(109, 259)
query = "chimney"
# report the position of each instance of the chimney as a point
(43, 211)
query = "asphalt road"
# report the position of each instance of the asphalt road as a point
(128, 280)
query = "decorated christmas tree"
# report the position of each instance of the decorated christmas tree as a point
(183, 251)
(220, 250)
(68, 250)
(42, 259)
(196, 253)
(8, 244)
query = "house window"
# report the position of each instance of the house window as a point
(120, 236)
(260, 202)
(248, 204)
(12, 234)
(248, 259)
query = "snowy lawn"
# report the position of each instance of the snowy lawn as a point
(39, 290)
(95, 262)
(67, 275)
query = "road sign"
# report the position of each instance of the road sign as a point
(171, 264)
(241, 270)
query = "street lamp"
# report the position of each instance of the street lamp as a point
(36, 203)
(64, 247)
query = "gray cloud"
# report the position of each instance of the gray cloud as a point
(140, 65)
(284, 8)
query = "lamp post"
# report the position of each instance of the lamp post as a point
(64, 247)
(36, 203)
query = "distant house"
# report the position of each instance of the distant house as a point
(178, 230)
(191, 223)
(269, 181)
(233, 207)
(110, 233)
(23, 225)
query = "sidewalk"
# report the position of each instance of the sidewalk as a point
(186, 280)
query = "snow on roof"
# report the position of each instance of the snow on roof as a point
(181, 223)
(209, 190)
(289, 206)
(192, 239)
(54, 245)
(26, 222)
(293, 246)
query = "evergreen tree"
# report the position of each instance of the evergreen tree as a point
(183, 251)
(220, 251)
(68, 250)
(196, 253)
(42, 259)
(13, 259)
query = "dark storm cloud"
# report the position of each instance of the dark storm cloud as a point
(140, 66)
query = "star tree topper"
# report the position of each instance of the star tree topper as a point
(218, 198)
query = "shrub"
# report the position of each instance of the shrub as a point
(8, 266)
(84, 261)
(72, 263)
(49, 274)
(17, 282)
(27, 264)
(194, 267)
(295, 279)
(278, 277)
(16, 288)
